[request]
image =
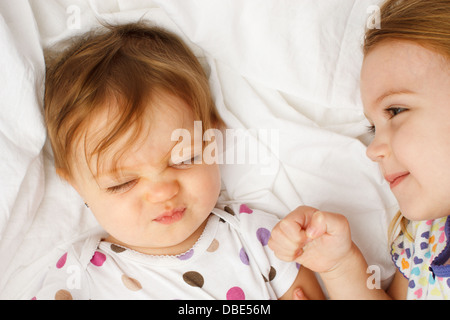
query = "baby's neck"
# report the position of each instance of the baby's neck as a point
(174, 250)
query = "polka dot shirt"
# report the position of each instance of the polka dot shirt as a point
(231, 260)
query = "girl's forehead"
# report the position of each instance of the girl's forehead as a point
(399, 66)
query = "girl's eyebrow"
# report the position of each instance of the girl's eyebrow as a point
(387, 94)
(391, 93)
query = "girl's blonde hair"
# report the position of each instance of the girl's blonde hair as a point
(127, 65)
(426, 22)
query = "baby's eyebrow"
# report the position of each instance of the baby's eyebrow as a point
(119, 171)
(112, 175)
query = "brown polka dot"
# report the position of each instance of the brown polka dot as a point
(116, 248)
(193, 279)
(130, 283)
(229, 210)
(213, 246)
(63, 295)
(272, 274)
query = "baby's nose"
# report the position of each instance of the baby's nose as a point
(161, 191)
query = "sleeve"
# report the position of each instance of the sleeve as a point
(65, 280)
(257, 226)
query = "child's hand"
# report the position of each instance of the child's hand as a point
(315, 239)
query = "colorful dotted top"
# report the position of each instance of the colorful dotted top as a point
(231, 260)
(425, 262)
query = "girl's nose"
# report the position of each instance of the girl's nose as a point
(160, 191)
(378, 149)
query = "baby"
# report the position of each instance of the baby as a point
(112, 104)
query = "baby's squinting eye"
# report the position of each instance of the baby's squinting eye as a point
(186, 163)
(124, 187)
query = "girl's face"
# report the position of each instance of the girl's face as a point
(155, 204)
(405, 89)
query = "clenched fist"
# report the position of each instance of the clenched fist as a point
(317, 240)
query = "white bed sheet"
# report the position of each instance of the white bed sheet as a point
(287, 65)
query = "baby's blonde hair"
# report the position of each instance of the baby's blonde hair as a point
(426, 22)
(125, 65)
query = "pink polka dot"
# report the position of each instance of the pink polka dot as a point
(244, 209)
(235, 293)
(98, 259)
(62, 261)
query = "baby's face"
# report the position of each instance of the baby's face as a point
(156, 203)
(405, 89)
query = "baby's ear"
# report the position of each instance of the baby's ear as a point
(63, 174)
(219, 125)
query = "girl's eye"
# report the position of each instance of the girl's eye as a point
(390, 112)
(122, 188)
(393, 111)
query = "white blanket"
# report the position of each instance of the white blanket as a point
(289, 66)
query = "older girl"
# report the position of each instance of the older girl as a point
(405, 86)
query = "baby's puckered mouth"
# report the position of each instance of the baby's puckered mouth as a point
(170, 216)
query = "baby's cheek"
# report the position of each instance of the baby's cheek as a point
(207, 185)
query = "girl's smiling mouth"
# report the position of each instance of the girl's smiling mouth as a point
(396, 178)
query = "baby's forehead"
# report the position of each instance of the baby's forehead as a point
(159, 115)
(147, 138)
